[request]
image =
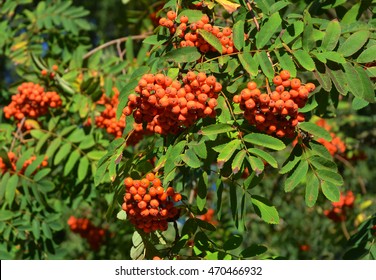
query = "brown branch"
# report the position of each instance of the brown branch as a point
(116, 41)
(253, 15)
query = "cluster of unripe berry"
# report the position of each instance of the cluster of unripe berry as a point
(13, 163)
(336, 145)
(189, 33)
(275, 112)
(148, 206)
(84, 227)
(338, 211)
(31, 101)
(166, 105)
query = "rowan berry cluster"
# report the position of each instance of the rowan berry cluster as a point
(209, 217)
(107, 118)
(339, 209)
(189, 33)
(276, 112)
(165, 105)
(149, 207)
(84, 227)
(31, 101)
(336, 145)
(13, 163)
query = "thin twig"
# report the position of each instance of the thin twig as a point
(349, 165)
(116, 41)
(344, 230)
(253, 15)
(18, 134)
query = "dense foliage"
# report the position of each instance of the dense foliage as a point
(211, 129)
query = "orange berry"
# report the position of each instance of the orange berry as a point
(177, 197)
(285, 75)
(142, 205)
(277, 80)
(184, 19)
(157, 182)
(144, 183)
(159, 190)
(154, 203)
(251, 85)
(295, 83)
(171, 15)
(44, 72)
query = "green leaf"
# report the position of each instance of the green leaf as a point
(265, 64)
(33, 166)
(249, 63)
(368, 87)
(354, 43)
(264, 140)
(122, 215)
(41, 174)
(331, 177)
(334, 56)
(6, 215)
(11, 187)
(71, 162)
(87, 143)
(265, 209)
(83, 168)
(215, 129)
(233, 242)
(211, 39)
(42, 141)
(253, 250)
(187, 54)
(54, 145)
(96, 155)
(315, 130)
(190, 158)
(35, 227)
(205, 225)
(227, 152)
(202, 190)
(359, 103)
(287, 63)
(46, 230)
(62, 153)
(238, 35)
(265, 156)
(368, 55)
(323, 163)
(193, 15)
(339, 80)
(332, 34)
(257, 164)
(296, 176)
(304, 59)
(331, 191)
(308, 39)
(319, 149)
(324, 80)
(312, 189)
(138, 248)
(267, 30)
(238, 161)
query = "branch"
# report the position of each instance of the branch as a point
(116, 41)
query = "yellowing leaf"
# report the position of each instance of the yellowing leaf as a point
(228, 5)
